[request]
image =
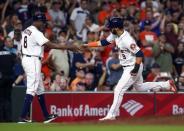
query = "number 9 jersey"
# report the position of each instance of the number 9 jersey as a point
(32, 41)
(127, 48)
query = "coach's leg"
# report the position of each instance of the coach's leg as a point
(30, 66)
(124, 83)
(41, 98)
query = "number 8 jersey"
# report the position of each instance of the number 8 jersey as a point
(127, 48)
(32, 41)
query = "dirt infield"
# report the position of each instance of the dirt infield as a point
(154, 120)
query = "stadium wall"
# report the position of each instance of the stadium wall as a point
(85, 106)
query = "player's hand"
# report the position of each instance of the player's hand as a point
(135, 70)
(132, 73)
(84, 47)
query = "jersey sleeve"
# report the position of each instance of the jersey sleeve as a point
(111, 38)
(40, 38)
(131, 45)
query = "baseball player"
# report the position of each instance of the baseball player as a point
(32, 44)
(130, 57)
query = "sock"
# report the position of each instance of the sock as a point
(27, 103)
(41, 100)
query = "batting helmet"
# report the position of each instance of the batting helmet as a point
(115, 22)
(40, 17)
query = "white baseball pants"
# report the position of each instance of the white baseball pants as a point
(32, 68)
(126, 81)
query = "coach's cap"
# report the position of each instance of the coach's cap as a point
(40, 17)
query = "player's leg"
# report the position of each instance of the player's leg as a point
(30, 66)
(140, 86)
(124, 83)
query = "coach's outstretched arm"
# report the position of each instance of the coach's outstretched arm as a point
(60, 46)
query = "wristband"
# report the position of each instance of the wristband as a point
(93, 44)
(136, 68)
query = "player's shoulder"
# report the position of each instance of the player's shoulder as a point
(127, 39)
(33, 30)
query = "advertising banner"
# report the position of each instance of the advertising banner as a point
(169, 104)
(92, 106)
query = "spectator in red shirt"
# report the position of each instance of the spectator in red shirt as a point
(148, 38)
(155, 70)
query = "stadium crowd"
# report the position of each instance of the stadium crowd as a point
(156, 25)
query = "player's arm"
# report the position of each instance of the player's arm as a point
(98, 43)
(139, 57)
(103, 42)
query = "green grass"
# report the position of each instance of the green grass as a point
(85, 127)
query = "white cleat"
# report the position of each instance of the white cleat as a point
(107, 118)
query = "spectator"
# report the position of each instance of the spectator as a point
(155, 19)
(179, 58)
(181, 82)
(82, 61)
(89, 26)
(148, 39)
(150, 3)
(9, 45)
(115, 69)
(104, 13)
(22, 11)
(163, 54)
(80, 86)
(59, 83)
(58, 17)
(155, 70)
(90, 82)
(167, 27)
(18, 73)
(15, 35)
(78, 17)
(80, 75)
(181, 31)
(60, 60)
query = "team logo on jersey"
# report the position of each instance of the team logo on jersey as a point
(132, 107)
(133, 46)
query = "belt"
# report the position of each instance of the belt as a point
(127, 65)
(33, 56)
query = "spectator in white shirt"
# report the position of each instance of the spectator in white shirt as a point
(78, 18)
(58, 16)
(89, 26)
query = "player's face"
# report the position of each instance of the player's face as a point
(114, 31)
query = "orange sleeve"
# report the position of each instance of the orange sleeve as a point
(93, 44)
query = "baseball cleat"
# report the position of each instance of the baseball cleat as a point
(107, 118)
(50, 118)
(172, 86)
(22, 121)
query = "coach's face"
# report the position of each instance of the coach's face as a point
(41, 26)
